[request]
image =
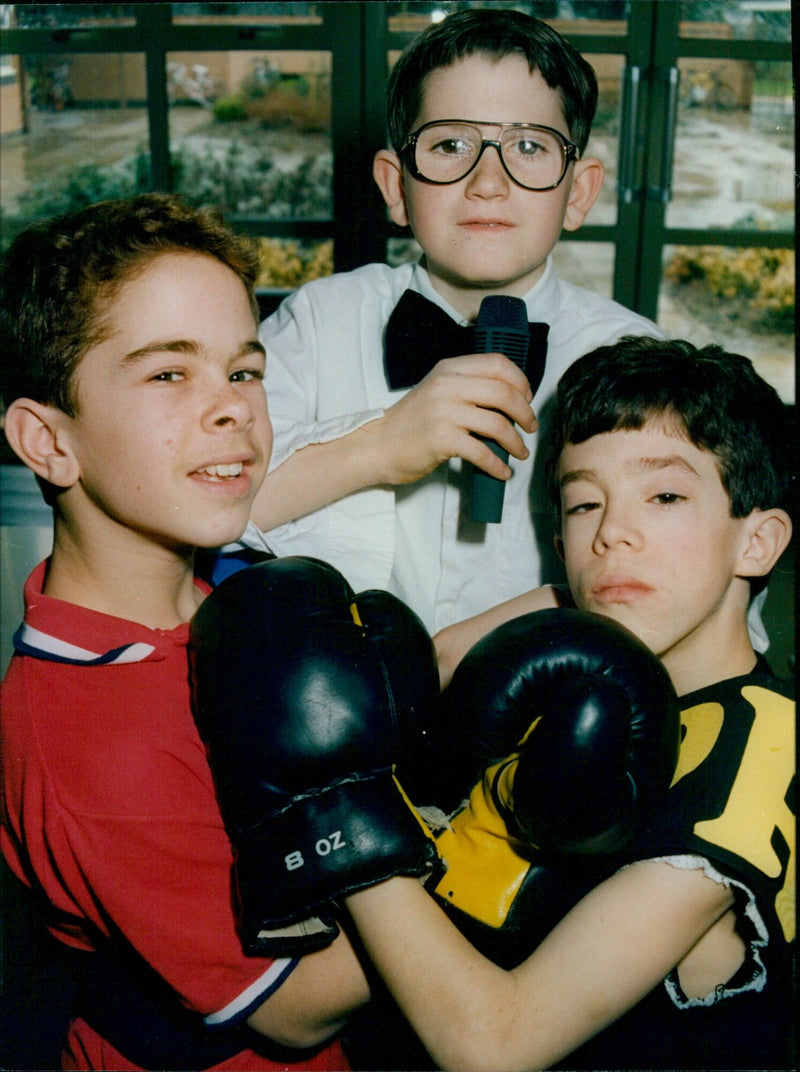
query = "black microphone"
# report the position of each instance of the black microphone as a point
(502, 327)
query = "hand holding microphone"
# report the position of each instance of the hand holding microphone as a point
(459, 390)
(502, 327)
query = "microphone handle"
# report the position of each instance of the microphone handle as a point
(487, 491)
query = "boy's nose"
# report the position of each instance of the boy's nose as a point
(228, 406)
(614, 530)
(489, 178)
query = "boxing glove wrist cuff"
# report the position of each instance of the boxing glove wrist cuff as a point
(322, 846)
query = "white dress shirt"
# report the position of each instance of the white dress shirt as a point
(325, 377)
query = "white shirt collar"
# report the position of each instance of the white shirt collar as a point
(540, 299)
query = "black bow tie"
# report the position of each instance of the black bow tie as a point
(420, 333)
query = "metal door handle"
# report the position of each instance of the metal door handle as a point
(663, 191)
(627, 190)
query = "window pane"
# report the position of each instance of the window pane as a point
(589, 16)
(768, 20)
(414, 17)
(402, 251)
(250, 131)
(70, 16)
(607, 18)
(587, 264)
(74, 132)
(734, 146)
(742, 299)
(250, 13)
(604, 138)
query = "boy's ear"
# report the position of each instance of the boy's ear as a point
(387, 171)
(767, 534)
(587, 181)
(35, 432)
(559, 545)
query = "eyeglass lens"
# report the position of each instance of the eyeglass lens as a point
(445, 152)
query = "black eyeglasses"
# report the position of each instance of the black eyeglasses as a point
(447, 150)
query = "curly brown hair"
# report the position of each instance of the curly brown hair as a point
(59, 276)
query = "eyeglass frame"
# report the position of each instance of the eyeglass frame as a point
(408, 152)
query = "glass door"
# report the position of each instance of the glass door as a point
(713, 199)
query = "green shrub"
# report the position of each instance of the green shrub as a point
(288, 263)
(230, 109)
(763, 279)
(85, 186)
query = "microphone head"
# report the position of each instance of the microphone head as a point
(501, 310)
(502, 327)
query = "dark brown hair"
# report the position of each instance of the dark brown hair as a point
(59, 276)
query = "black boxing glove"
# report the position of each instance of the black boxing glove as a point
(303, 701)
(407, 652)
(567, 730)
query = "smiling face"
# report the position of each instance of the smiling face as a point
(171, 437)
(648, 540)
(485, 232)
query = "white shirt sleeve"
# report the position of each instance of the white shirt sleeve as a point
(325, 379)
(291, 339)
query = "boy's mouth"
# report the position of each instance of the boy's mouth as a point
(488, 224)
(222, 472)
(619, 588)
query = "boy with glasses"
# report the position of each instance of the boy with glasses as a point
(489, 117)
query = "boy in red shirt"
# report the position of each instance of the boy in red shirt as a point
(132, 373)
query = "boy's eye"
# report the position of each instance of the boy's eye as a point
(581, 508)
(527, 147)
(168, 376)
(667, 498)
(244, 375)
(453, 147)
